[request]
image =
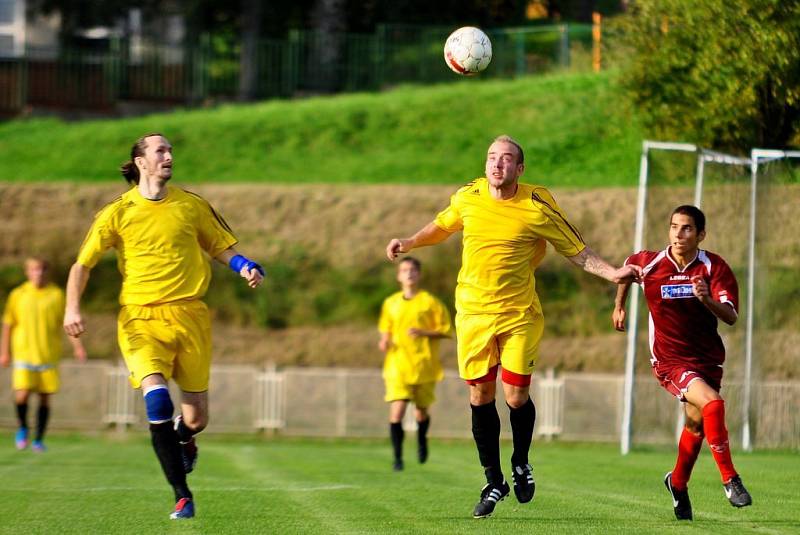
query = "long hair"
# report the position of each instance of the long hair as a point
(129, 169)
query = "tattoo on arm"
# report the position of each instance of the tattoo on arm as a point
(591, 262)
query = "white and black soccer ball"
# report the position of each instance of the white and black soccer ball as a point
(468, 51)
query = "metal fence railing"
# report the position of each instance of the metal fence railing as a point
(342, 402)
(305, 62)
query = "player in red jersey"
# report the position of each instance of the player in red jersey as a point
(687, 289)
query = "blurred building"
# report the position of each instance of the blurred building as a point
(20, 31)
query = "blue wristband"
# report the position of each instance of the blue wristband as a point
(238, 262)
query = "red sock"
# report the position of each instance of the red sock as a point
(688, 450)
(717, 436)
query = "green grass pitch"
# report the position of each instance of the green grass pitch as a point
(111, 484)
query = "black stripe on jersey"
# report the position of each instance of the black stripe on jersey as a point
(536, 198)
(218, 217)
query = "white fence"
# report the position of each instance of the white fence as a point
(349, 402)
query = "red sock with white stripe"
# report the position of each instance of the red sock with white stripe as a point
(717, 436)
(688, 449)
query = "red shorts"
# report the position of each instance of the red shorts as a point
(676, 378)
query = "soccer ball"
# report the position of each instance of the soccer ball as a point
(468, 51)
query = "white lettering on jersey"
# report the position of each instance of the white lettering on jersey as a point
(676, 291)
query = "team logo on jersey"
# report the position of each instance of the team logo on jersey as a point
(676, 291)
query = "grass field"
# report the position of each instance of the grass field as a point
(107, 484)
(574, 126)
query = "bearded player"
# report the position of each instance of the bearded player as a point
(163, 238)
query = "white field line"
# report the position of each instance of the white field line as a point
(73, 490)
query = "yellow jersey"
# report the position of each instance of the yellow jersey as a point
(36, 316)
(412, 360)
(160, 245)
(503, 243)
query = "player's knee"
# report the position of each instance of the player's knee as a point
(158, 404)
(196, 422)
(480, 397)
(518, 399)
(695, 427)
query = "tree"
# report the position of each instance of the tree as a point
(718, 73)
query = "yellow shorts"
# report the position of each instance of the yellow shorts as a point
(41, 379)
(173, 340)
(510, 339)
(422, 395)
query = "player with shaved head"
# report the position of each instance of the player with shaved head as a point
(499, 321)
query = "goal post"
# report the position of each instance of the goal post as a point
(687, 172)
(633, 307)
(758, 159)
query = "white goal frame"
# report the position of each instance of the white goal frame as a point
(703, 156)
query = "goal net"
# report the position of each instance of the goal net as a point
(745, 201)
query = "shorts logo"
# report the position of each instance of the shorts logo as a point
(676, 291)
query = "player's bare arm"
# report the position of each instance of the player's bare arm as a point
(5, 345)
(415, 332)
(385, 342)
(618, 316)
(430, 234)
(592, 263)
(76, 284)
(723, 311)
(78, 350)
(249, 270)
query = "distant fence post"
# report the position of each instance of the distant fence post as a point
(118, 399)
(379, 55)
(199, 61)
(341, 398)
(563, 49)
(270, 399)
(292, 63)
(551, 390)
(520, 55)
(597, 34)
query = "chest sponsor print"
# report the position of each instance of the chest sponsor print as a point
(676, 291)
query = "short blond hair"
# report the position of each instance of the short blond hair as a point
(508, 139)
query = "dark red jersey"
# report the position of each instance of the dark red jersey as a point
(682, 329)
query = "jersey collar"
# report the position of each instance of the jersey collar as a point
(668, 254)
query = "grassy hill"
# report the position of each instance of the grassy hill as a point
(323, 245)
(575, 131)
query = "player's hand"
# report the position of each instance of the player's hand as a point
(253, 276)
(628, 274)
(384, 344)
(618, 318)
(700, 288)
(5, 360)
(73, 324)
(396, 247)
